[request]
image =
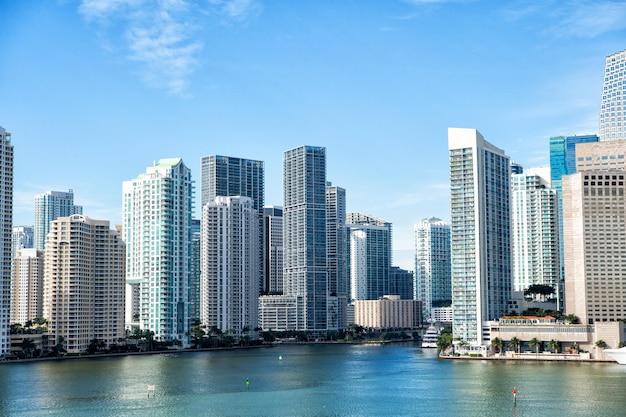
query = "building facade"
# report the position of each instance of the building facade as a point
(48, 207)
(22, 238)
(479, 233)
(273, 249)
(401, 283)
(229, 268)
(84, 279)
(27, 286)
(613, 102)
(388, 312)
(304, 233)
(6, 220)
(157, 228)
(433, 282)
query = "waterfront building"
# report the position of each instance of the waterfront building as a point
(337, 257)
(229, 268)
(479, 233)
(273, 249)
(84, 282)
(401, 283)
(442, 315)
(304, 234)
(388, 312)
(194, 273)
(48, 207)
(613, 102)
(156, 213)
(433, 282)
(535, 230)
(22, 238)
(369, 240)
(595, 256)
(27, 286)
(280, 312)
(6, 220)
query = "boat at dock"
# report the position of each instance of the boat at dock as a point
(618, 354)
(429, 340)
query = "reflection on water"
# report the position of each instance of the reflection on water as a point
(310, 380)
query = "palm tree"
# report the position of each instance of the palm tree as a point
(575, 347)
(553, 345)
(28, 347)
(514, 343)
(535, 344)
(496, 343)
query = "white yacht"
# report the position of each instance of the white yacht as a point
(618, 354)
(429, 340)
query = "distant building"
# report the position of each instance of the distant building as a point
(389, 312)
(480, 233)
(273, 249)
(22, 238)
(279, 312)
(27, 286)
(6, 220)
(433, 281)
(229, 268)
(337, 255)
(48, 207)
(613, 102)
(194, 274)
(401, 282)
(84, 282)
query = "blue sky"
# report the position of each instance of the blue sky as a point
(93, 91)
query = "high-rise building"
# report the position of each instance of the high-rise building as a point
(194, 274)
(433, 282)
(304, 234)
(229, 253)
(479, 233)
(156, 213)
(6, 220)
(22, 238)
(370, 256)
(401, 283)
(48, 207)
(273, 249)
(337, 240)
(594, 209)
(535, 231)
(613, 103)
(27, 286)
(84, 282)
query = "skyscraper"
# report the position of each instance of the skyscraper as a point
(156, 213)
(6, 219)
(194, 274)
(433, 283)
(229, 252)
(22, 238)
(304, 233)
(84, 282)
(535, 231)
(27, 286)
(370, 256)
(479, 233)
(613, 103)
(48, 207)
(273, 249)
(337, 257)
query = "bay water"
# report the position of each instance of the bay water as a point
(310, 380)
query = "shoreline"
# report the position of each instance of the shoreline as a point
(538, 358)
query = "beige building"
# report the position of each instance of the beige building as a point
(27, 286)
(600, 155)
(389, 312)
(84, 282)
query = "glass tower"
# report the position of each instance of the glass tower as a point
(6, 224)
(612, 105)
(48, 207)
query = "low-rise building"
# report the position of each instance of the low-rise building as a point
(388, 312)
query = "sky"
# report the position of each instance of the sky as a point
(94, 91)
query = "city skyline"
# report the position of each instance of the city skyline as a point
(104, 88)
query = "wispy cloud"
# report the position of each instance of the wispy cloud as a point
(162, 36)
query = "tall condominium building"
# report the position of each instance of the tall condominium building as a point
(337, 254)
(433, 282)
(156, 213)
(48, 207)
(22, 238)
(84, 282)
(194, 274)
(6, 219)
(273, 249)
(613, 103)
(480, 233)
(304, 234)
(229, 253)
(27, 286)
(401, 283)
(536, 259)
(563, 162)
(594, 209)
(370, 256)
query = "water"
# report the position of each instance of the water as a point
(335, 380)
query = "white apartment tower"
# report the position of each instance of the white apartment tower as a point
(6, 220)
(49, 206)
(27, 286)
(157, 228)
(613, 102)
(229, 268)
(479, 233)
(535, 230)
(84, 269)
(433, 284)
